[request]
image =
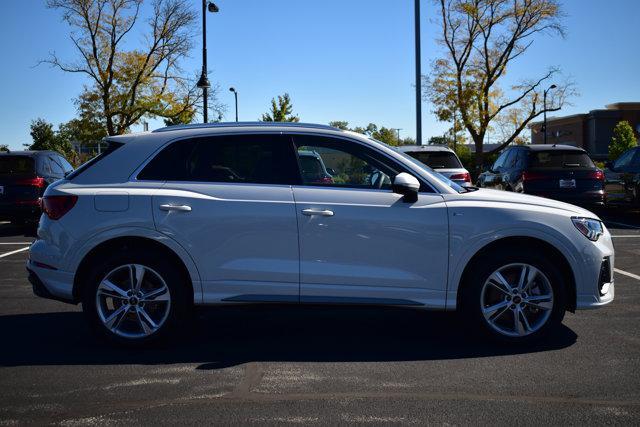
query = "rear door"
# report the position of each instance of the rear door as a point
(228, 201)
(359, 241)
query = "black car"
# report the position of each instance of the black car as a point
(559, 172)
(622, 179)
(24, 175)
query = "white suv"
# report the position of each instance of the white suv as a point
(220, 214)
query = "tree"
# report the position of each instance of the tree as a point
(282, 111)
(383, 134)
(481, 38)
(127, 85)
(45, 138)
(622, 140)
(4, 148)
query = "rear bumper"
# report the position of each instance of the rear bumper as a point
(51, 284)
(27, 210)
(41, 290)
(586, 198)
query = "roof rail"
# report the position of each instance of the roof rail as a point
(244, 124)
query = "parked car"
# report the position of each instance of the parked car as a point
(313, 168)
(149, 229)
(24, 176)
(441, 159)
(622, 179)
(560, 172)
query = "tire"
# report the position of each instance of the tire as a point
(119, 314)
(486, 305)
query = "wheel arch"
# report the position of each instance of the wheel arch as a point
(123, 243)
(532, 244)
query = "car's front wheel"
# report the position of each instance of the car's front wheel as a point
(134, 298)
(515, 296)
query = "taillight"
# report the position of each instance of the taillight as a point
(597, 174)
(532, 176)
(461, 177)
(55, 207)
(32, 182)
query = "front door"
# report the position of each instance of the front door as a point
(359, 241)
(227, 200)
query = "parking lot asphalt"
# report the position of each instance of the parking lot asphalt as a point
(320, 365)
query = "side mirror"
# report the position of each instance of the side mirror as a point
(407, 185)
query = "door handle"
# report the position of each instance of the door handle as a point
(179, 208)
(312, 212)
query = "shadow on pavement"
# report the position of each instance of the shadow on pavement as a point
(230, 336)
(11, 230)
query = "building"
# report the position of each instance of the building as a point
(591, 131)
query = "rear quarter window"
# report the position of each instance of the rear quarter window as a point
(560, 160)
(113, 146)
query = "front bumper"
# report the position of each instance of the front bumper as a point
(594, 290)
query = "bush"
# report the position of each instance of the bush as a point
(622, 140)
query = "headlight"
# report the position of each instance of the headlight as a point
(591, 228)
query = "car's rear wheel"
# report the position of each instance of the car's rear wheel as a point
(514, 296)
(134, 298)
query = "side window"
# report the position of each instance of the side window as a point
(255, 159)
(500, 161)
(337, 163)
(512, 157)
(55, 167)
(45, 165)
(624, 160)
(635, 163)
(66, 166)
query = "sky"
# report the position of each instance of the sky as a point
(347, 60)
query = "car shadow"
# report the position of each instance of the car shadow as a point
(11, 230)
(229, 336)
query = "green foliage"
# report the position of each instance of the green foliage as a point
(4, 148)
(45, 138)
(622, 140)
(383, 134)
(282, 111)
(439, 140)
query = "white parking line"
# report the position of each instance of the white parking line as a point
(14, 252)
(626, 273)
(28, 243)
(628, 235)
(622, 224)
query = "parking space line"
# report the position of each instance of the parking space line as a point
(627, 235)
(626, 273)
(22, 243)
(14, 252)
(622, 224)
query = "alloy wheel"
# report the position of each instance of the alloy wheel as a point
(133, 301)
(517, 300)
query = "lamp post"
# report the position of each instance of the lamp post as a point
(544, 106)
(203, 82)
(418, 75)
(398, 130)
(235, 92)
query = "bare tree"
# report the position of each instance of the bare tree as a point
(130, 84)
(481, 38)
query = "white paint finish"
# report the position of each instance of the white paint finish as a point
(6, 254)
(374, 239)
(237, 234)
(626, 273)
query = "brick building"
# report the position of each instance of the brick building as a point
(591, 131)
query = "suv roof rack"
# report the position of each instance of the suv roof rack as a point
(244, 124)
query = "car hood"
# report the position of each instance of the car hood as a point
(497, 196)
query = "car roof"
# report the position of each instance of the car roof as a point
(552, 147)
(27, 153)
(245, 124)
(429, 148)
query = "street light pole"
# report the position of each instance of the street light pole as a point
(418, 76)
(544, 106)
(235, 92)
(203, 82)
(398, 130)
